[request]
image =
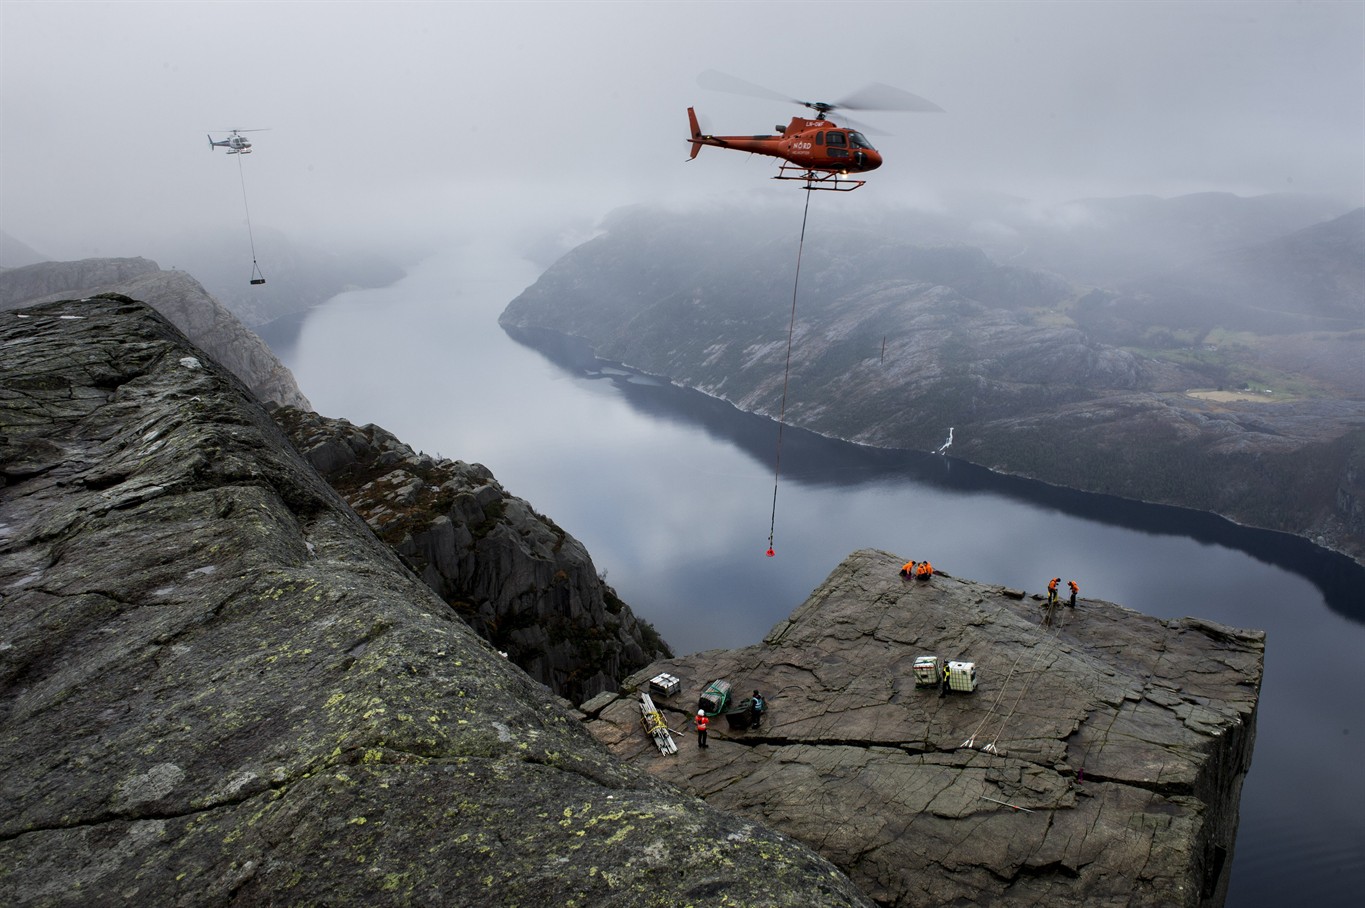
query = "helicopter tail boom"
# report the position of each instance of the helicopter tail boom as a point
(696, 133)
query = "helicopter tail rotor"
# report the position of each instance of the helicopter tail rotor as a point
(696, 133)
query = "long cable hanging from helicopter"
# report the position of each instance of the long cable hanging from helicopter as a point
(256, 276)
(238, 144)
(786, 376)
(818, 153)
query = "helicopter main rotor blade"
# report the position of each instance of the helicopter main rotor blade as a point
(879, 96)
(719, 81)
(851, 123)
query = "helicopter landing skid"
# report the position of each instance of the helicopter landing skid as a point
(818, 179)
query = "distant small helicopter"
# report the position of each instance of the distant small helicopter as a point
(234, 143)
(815, 151)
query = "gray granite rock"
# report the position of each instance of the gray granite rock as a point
(522, 582)
(217, 686)
(1121, 741)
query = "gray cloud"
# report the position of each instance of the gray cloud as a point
(400, 119)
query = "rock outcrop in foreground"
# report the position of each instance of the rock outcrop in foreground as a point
(1123, 741)
(218, 687)
(521, 581)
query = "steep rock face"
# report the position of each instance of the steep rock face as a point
(217, 687)
(1120, 743)
(172, 293)
(519, 580)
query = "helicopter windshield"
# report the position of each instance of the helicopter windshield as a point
(858, 140)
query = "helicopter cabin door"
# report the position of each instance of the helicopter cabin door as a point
(836, 146)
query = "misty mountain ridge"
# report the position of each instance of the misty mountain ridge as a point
(1109, 240)
(1313, 278)
(299, 275)
(904, 329)
(177, 296)
(15, 253)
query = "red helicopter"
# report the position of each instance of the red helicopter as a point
(815, 151)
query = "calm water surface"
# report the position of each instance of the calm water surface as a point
(672, 493)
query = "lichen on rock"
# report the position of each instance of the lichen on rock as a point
(217, 686)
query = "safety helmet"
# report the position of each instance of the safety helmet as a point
(701, 712)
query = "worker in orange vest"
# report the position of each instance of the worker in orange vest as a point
(702, 722)
(908, 570)
(1052, 589)
(1074, 590)
(925, 571)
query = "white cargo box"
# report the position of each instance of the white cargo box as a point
(928, 671)
(665, 685)
(962, 676)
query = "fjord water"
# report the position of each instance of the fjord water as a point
(673, 495)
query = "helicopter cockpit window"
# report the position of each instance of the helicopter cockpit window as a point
(857, 140)
(836, 138)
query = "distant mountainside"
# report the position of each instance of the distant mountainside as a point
(1041, 373)
(175, 295)
(1310, 279)
(1108, 241)
(16, 254)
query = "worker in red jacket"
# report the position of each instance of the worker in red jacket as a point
(702, 722)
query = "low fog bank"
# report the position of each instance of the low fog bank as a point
(1099, 241)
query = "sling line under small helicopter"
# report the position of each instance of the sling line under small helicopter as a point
(256, 276)
(238, 144)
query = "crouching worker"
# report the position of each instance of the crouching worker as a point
(924, 571)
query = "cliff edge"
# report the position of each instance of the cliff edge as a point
(1117, 742)
(217, 686)
(522, 582)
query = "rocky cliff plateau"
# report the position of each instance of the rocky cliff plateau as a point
(1122, 742)
(217, 686)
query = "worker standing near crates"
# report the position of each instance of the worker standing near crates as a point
(702, 722)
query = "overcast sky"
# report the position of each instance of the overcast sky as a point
(400, 118)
